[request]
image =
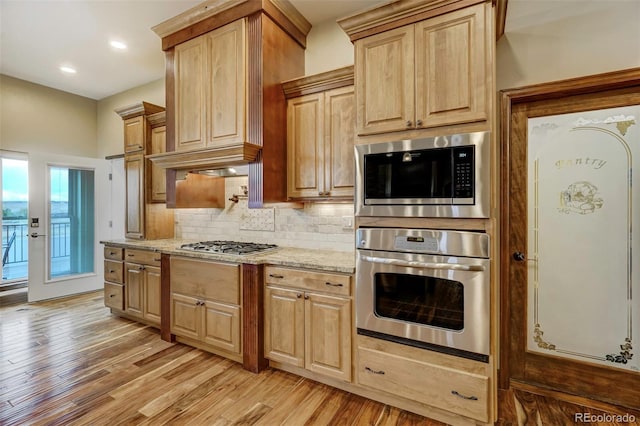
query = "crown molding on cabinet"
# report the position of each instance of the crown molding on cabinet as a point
(158, 119)
(397, 14)
(214, 13)
(321, 82)
(140, 108)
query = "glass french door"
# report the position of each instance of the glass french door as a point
(15, 240)
(68, 216)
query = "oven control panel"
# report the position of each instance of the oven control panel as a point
(416, 244)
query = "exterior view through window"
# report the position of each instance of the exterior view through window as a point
(15, 237)
(71, 221)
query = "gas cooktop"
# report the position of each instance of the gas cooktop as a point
(228, 247)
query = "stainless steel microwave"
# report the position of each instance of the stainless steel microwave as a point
(444, 176)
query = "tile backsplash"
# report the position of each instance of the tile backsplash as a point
(317, 225)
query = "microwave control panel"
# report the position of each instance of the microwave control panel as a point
(463, 172)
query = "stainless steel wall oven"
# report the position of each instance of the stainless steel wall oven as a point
(445, 176)
(425, 288)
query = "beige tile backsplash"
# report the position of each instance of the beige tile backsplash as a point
(317, 225)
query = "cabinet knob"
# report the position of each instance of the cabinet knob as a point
(141, 268)
(299, 295)
(409, 123)
(111, 271)
(306, 297)
(519, 256)
(112, 295)
(419, 123)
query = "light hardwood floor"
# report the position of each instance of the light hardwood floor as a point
(70, 362)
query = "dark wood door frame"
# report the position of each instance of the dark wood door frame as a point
(625, 80)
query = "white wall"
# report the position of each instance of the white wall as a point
(35, 118)
(328, 48)
(572, 39)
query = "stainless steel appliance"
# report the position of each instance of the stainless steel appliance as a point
(425, 288)
(445, 176)
(228, 247)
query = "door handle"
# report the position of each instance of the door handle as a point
(36, 235)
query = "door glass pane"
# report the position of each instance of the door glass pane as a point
(15, 242)
(71, 219)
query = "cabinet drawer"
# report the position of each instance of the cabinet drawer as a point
(113, 271)
(113, 253)
(206, 279)
(114, 296)
(309, 280)
(456, 391)
(142, 256)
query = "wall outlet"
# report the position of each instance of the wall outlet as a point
(347, 222)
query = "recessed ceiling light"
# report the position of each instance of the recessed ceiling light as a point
(67, 70)
(117, 45)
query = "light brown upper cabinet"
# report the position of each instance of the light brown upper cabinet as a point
(157, 176)
(427, 74)
(145, 217)
(320, 134)
(210, 88)
(225, 60)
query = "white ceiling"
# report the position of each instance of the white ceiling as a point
(38, 36)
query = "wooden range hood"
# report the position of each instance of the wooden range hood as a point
(275, 42)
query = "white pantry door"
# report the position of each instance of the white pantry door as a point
(68, 217)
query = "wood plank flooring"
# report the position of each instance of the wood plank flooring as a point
(70, 362)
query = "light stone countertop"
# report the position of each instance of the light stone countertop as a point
(324, 260)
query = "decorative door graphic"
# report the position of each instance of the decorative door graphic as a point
(583, 262)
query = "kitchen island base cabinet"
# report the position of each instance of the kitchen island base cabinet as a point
(306, 328)
(205, 305)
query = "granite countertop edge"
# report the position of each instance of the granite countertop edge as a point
(305, 258)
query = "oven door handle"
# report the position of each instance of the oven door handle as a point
(425, 265)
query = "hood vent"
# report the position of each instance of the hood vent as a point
(207, 158)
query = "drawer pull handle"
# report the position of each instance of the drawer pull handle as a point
(112, 295)
(374, 371)
(111, 271)
(276, 276)
(157, 260)
(459, 395)
(112, 253)
(332, 284)
(130, 254)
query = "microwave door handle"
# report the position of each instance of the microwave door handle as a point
(425, 265)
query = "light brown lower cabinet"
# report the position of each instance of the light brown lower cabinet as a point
(309, 326)
(114, 278)
(142, 285)
(449, 383)
(205, 303)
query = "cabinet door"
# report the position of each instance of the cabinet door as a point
(305, 153)
(134, 284)
(134, 176)
(134, 134)
(157, 176)
(114, 296)
(222, 326)
(339, 134)
(186, 316)
(328, 336)
(384, 76)
(226, 85)
(450, 68)
(190, 83)
(284, 326)
(152, 294)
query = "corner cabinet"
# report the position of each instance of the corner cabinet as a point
(320, 134)
(146, 217)
(308, 320)
(210, 89)
(431, 73)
